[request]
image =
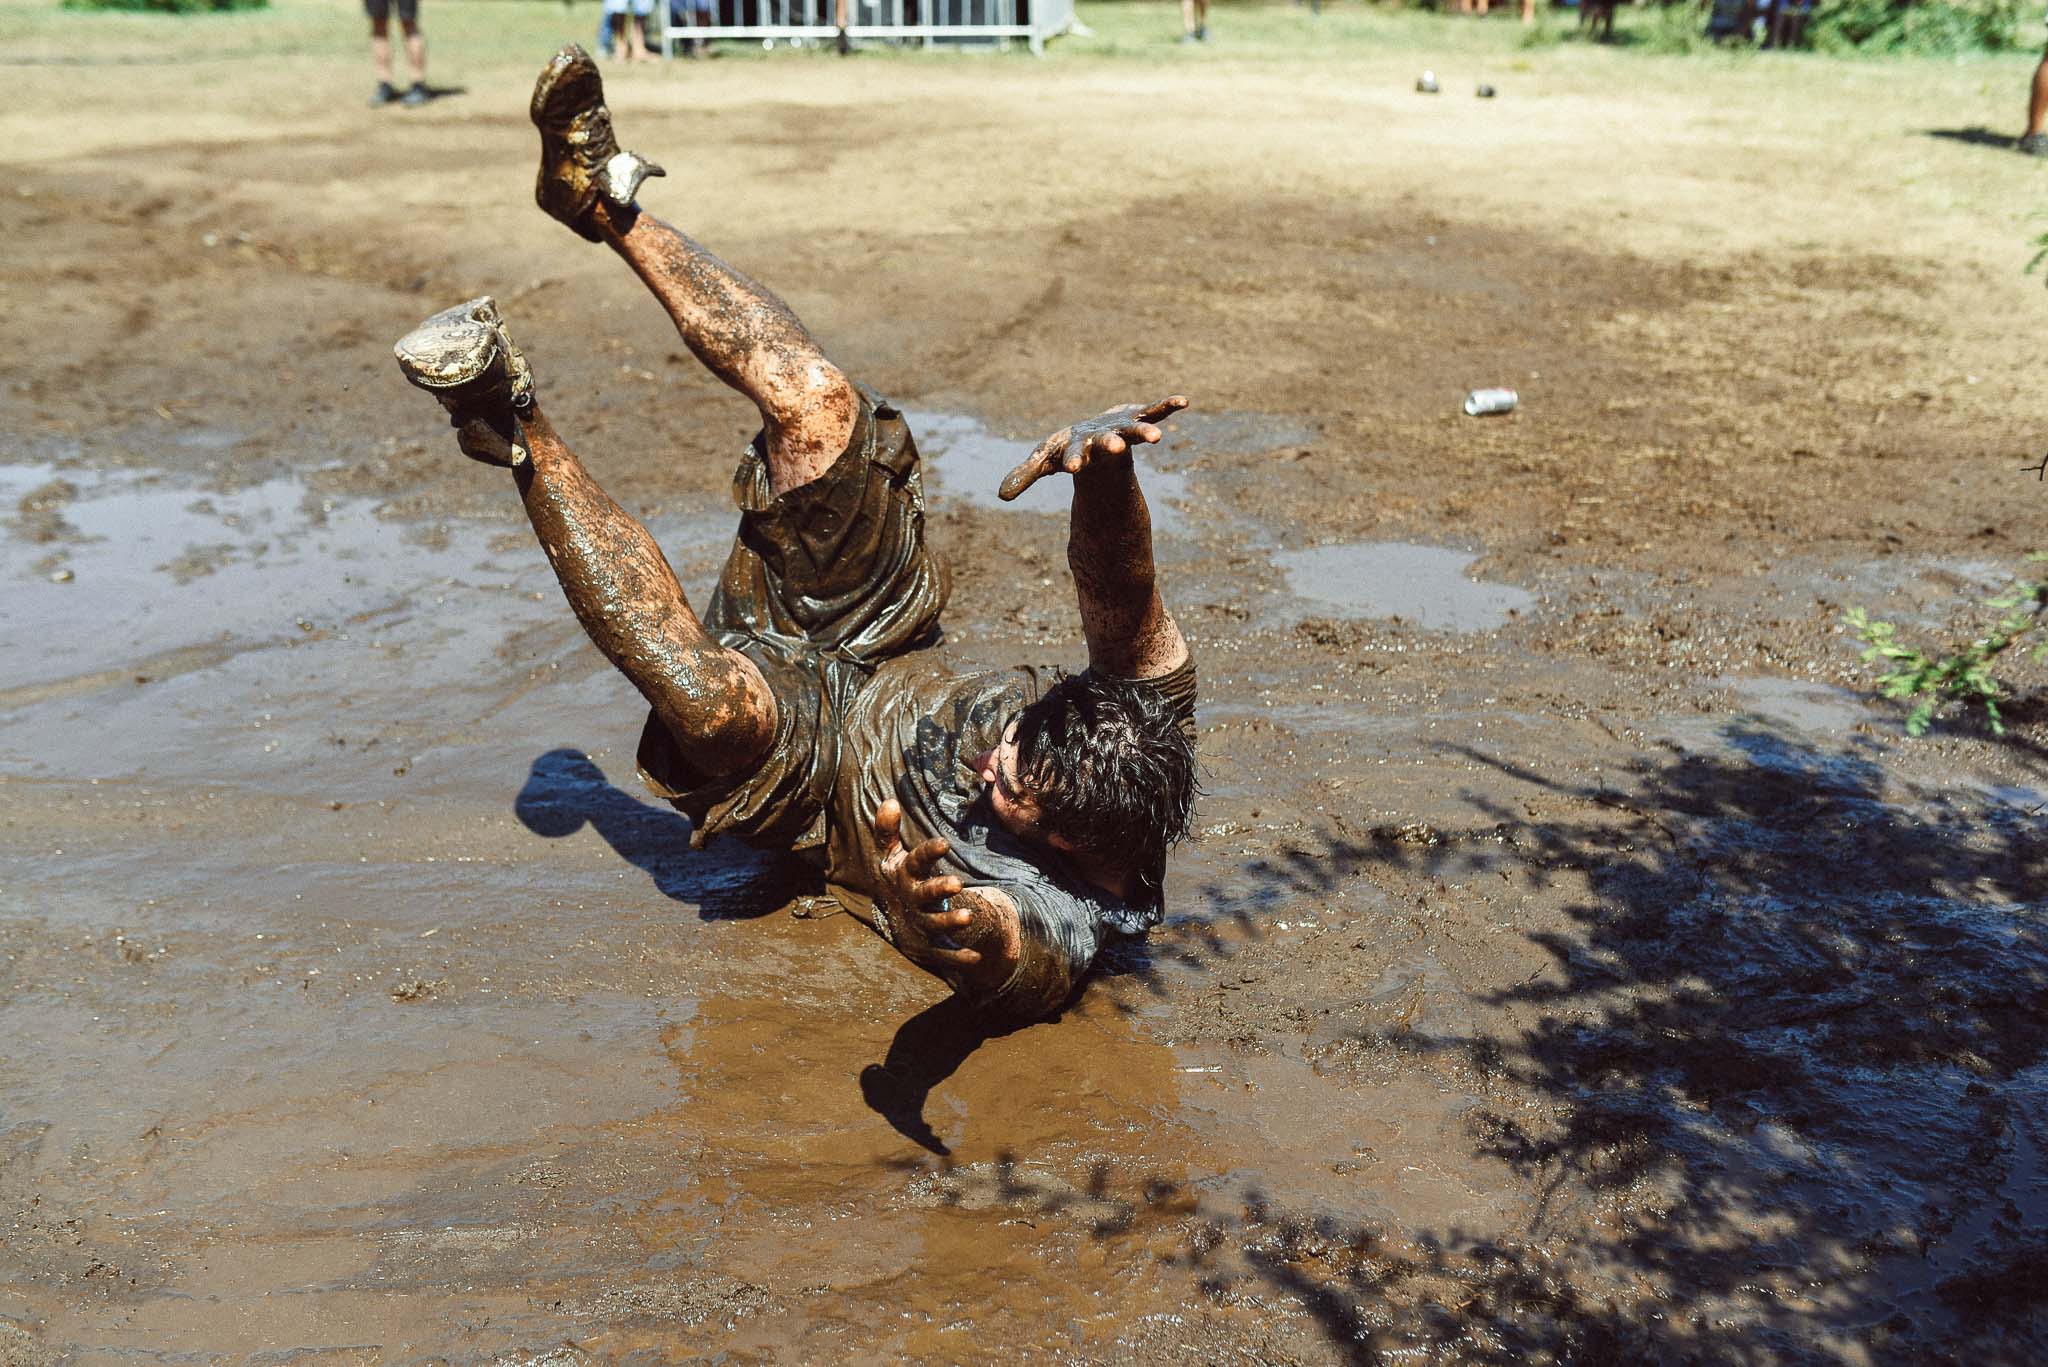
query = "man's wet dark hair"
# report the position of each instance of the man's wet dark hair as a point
(1110, 768)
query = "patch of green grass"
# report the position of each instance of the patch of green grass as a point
(1287, 32)
(485, 31)
(1933, 28)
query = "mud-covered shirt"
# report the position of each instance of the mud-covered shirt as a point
(913, 733)
(831, 591)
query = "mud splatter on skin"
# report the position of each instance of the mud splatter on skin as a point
(747, 337)
(1109, 550)
(712, 699)
(1109, 538)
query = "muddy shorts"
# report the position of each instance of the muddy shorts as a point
(823, 584)
(380, 10)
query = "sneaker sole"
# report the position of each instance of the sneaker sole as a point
(462, 347)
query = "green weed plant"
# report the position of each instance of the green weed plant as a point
(1931, 28)
(1676, 29)
(2040, 246)
(1959, 674)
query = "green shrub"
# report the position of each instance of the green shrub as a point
(1962, 673)
(1933, 28)
(1678, 28)
(168, 6)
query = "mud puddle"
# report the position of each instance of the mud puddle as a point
(355, 982)
(157, 628)
(123, 569)
(1426, 585)
(352, 981)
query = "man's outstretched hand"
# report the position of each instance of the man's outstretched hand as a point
(911, 890)
(1072, 448)
(944, 916)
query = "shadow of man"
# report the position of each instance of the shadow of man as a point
(928, 1049)
(1976, 135)
(565, 791)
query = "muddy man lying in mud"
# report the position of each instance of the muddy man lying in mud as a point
(995, 827)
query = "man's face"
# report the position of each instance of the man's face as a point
(1014, 808)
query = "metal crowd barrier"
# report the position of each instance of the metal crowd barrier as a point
(801, 22)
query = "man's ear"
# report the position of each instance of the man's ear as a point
(985, 766)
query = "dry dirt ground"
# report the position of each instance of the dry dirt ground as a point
(1572, 963)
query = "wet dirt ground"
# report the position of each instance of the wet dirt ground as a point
(1572, 964)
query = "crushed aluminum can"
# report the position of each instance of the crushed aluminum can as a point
(1485, 91)
(1481, 402)
(1426, 83)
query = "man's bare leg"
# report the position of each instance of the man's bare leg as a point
(2032, 141)
(747, 337)
(380, 60)
(714, 701)
(743, 333)
(415, 50)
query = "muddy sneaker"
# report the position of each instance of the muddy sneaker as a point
(382, 95)
(2034, 144)
(579, 157)
(465, 358)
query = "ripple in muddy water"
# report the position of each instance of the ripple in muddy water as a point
(1421, 584)
(1793, 726)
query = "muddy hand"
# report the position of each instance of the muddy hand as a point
(910, 888)
(1072, 448)
(495, 439)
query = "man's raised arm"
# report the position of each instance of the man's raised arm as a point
(1109, 539)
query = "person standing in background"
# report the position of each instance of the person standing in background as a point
(2034, 142)
(380, 51)
(629, 21)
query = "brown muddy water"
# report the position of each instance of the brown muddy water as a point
(357, 1006)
